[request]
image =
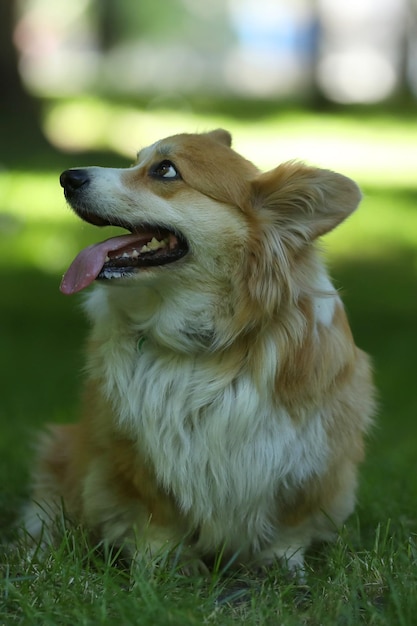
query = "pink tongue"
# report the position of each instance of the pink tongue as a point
(87, 264)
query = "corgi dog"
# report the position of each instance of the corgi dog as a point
(225, 400)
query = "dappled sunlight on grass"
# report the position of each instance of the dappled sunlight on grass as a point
(376, 150)
(40, 245)
(33, 196)
(37, 229)
(91, 125)
(46, 244)
(385, 220)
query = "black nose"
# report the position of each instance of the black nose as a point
(72, 180)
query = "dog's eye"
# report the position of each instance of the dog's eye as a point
(165, 169)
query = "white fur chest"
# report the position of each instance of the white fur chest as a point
(222, 446)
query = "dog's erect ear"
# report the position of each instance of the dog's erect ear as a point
(221, 136)
(305, 201)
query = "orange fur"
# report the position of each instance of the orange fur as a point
(226, 401)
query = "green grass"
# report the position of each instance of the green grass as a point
(369, 576)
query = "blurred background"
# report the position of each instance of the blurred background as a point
(181, 55)
(349, 52)
(92, 81)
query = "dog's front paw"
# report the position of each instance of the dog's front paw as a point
(186, 562)
(291, 557)
(193, 566)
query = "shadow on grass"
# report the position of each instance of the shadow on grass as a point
(380, 296)
(41, 338)
(381, 299)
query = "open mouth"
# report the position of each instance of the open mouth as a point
(141, 249)
(123, 256)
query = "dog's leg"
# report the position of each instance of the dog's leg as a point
(43, 519)
(289, 550)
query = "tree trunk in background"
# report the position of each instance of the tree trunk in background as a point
(107, 15)
(19, 112)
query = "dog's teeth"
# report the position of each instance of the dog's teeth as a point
(151, 246)
(172, 241)
(155, 244)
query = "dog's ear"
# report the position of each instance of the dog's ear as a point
(305, 201)
(221, 136)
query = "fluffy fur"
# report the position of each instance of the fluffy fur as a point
(226, 402)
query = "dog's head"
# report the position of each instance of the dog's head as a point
(195, 208)
(174, 201)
